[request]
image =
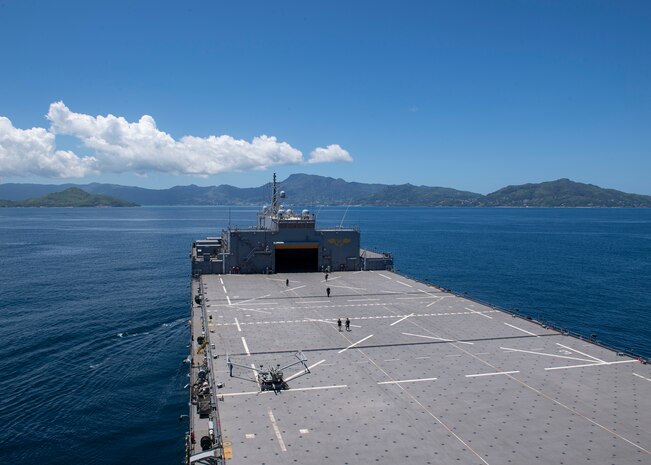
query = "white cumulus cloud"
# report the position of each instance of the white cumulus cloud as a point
(116, 145)
(331, 153)
(141, 147)
(33, 151)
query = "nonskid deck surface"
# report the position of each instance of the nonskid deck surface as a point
(422, 377)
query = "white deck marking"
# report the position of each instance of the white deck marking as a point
(224, 287)
(404, 284)
(355, 343)
(492, 374)
(229, 299)
(324, 321)
(408, 381)
(438, 338)
(431, 303)
(221, 281)
(304, 431)
(574, 350)
(258, 303)
(303, 371)
(249, 436)
(422, 358)
(294, 288)
(520, 329)
(246, 347)
(478, 313)
(277, 431)
(254, 310)
(401, 319)
(420, 297)
(351, 288)
(428, 292)
(237, 323)
(362, 300)
(429, 337)
(250, 300)
(593, 364)
(547, 355)
(255, 374)
(392, 360)
(318, 388)
(640, 376)
(385, 276)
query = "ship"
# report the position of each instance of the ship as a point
(307, 348)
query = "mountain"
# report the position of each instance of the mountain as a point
(71, 197)
(311, 190)
(409, 195)
(563, 193)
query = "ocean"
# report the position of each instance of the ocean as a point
(94, 305)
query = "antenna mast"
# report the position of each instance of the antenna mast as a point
(274, 199)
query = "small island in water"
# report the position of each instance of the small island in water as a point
(71, 197)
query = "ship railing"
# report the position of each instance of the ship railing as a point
(340, 228)
(218, 445)
(516, 313)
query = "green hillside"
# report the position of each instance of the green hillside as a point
(71, 197)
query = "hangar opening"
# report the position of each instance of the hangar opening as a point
(297, 258)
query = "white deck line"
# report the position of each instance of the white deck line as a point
(277, 431)
(478, 313)
(404, 284)
(593, 364)
(640, 376)
(303, 371)
(429, 337)
(294, 288)
(254, 298)
(385, 276)
(574, 350)
(354, 344)
(246, 347)
(408, 381)
(492, 374)
(438, 338)
(255, 393)
(520, 329)
(229, 299)
(237, 323)
(546, 355)
(401, 319)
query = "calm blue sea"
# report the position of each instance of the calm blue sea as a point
(94, 304)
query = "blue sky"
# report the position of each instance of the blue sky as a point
(473, 95)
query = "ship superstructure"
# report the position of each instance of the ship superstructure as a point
(284, 241)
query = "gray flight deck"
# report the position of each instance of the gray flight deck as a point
(423, 377)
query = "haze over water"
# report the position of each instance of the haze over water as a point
(94, 305)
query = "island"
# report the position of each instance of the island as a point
(71, 197)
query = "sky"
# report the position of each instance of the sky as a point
(473, 95)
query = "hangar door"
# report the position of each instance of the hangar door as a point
(297, 258)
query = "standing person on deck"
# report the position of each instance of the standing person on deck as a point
(339, 324)
(328, 292)
(347, 324)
